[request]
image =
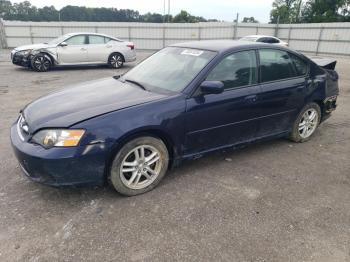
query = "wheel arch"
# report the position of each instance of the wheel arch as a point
(116, 52)
(320, 103)
(153, 132)
(53, 60)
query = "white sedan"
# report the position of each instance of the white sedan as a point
(264, 39)
(75, 49)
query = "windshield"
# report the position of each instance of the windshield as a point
(172, 68)
(249, 38)
(58, 40)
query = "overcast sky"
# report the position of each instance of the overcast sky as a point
(219, 9)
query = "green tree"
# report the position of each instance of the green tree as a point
(185, 17)
(48, 13)
(24, 11)
(288, 11)
(249, 20)
(152, 18)
(317, 11)
(5, 9)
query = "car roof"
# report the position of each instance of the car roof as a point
(89, 33)
(258, 36)
(221, 45)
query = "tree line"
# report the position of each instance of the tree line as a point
(25, 11)
(283, 11)
(310, 11)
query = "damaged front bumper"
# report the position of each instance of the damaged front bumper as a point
(20, 59)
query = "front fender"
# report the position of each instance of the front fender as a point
(164, 117)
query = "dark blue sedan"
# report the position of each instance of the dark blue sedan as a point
(182, 102)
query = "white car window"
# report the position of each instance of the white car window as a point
(76, 40)
(273, 40)
(96, 40)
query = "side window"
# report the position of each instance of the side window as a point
(236, 70)
(272, 40)
(262, 40)
(107, 39)
(301, 66)
(76, 40)
(96, 40)
(275, 65)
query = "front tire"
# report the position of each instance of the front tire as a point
(139, 166)
(41, 63)
(306, 123)
(116, 60)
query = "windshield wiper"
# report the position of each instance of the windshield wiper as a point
(135, 83)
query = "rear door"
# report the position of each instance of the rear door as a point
(98, 49)
(218, 120)
(284, 83)
(75, 52)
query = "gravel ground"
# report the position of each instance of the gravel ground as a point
(274, 201)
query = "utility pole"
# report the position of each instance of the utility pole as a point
(59, 15)
(3, 40)
(163, 11)
(168, 11)
(236, 27)
(277, 25)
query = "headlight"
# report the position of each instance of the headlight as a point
(58, 137)
(25, 52)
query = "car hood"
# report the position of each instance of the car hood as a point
(35, 47)
(72, 105)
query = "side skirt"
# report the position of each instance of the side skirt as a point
(180, 159)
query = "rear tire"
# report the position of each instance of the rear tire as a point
(306, 123)
(116, 60)
(139, 166)
(41, 63)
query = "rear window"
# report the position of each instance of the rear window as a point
(275, 65)
(96, 39)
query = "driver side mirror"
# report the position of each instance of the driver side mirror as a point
(212, 87)
(63, 44)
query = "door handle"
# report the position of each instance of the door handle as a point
(83, 49)
(108, 46)
(251, 98)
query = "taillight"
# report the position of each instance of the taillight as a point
(132, 46)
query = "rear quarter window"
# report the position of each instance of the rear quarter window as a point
(301, 66)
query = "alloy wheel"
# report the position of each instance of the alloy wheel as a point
(308, 123)
(41, 63)
(140, 167)
(116, 61)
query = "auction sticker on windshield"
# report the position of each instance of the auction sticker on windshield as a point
(191, 52)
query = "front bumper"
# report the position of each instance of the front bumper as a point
(20, 60)
(81, 165)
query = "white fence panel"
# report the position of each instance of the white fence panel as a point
(322, 38)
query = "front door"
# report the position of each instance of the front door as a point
(75, 52)
(218, 120)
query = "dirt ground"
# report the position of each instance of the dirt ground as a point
(274, 201)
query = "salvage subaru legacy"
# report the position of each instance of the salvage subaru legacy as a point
(184, 101)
